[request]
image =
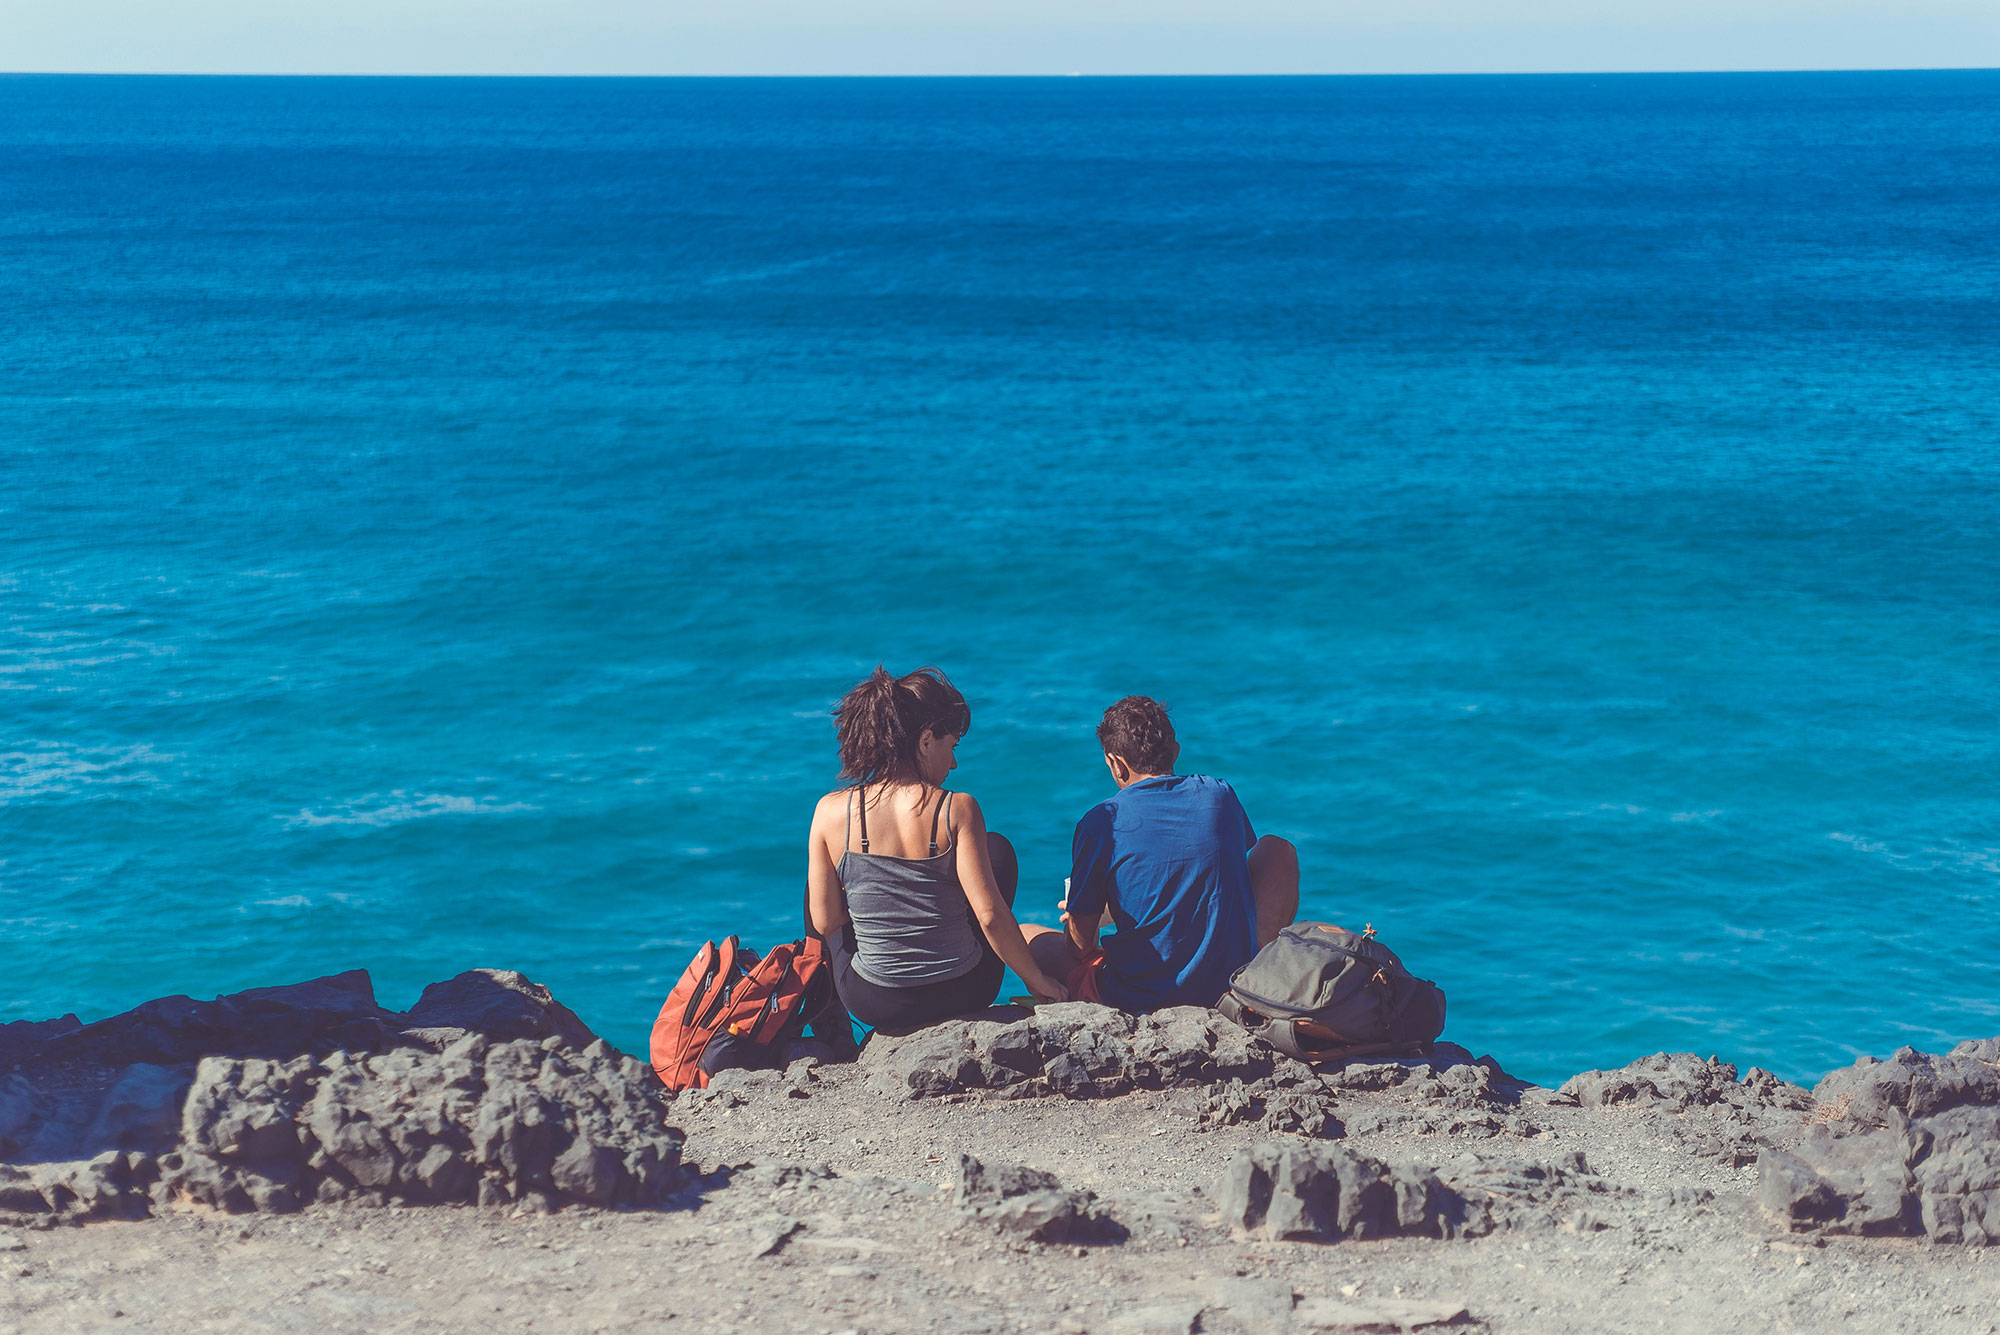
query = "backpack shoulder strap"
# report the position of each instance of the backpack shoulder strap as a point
(1272, 1030)
(770, 1004)
(693, 1012)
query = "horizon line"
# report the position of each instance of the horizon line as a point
(1067, 74)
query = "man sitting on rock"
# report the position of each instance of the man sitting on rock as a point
(1174, 863)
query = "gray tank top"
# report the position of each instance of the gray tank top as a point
(911, 921)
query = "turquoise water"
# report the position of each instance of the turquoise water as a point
(436, 516)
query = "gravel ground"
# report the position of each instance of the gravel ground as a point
(862, 1234)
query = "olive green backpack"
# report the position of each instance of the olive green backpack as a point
(1322, 993)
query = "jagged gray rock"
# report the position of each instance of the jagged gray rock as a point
(1088, 1049)
(23, 1040)
(1675, 1080)
(1959, 1177)
(247, 1103)
(1448, 1072)
(140, 1111)
(1678, 1081)
(77, 1114)
(1913, 1084)
(1979, 1049)
(1030, 1202)
(1905, 1146)
(1304, 1107)
(1447, 1093)
(337, 1012)
(1844, 1184)
(499, 1003)
(109, 1186)
(1322, 1192)
(1078, 1050)
(1766, 1089)
(931, 1062)
(322, 1013)
(19, 1192)
(21, 1115)
(480, 1122)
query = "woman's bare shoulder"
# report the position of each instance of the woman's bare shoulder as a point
(964, 807)
(833, 807)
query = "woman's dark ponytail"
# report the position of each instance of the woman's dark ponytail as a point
(879, 721)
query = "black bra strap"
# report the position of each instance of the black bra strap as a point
(944, 800)
(861, 804)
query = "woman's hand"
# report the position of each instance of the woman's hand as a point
(1047, 988)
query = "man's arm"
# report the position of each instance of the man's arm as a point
(1089, 880)
(1082, 931)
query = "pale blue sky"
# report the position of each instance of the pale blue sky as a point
(989, 36)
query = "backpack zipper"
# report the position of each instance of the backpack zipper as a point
(707, 979)
(715, 1007)
(764, 1011)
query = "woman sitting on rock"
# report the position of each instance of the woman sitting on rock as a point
(912, 896)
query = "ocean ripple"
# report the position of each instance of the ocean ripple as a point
(400, 806)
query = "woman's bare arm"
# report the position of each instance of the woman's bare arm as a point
(825, 900)
(982, 892)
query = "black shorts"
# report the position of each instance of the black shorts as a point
(898, 1010)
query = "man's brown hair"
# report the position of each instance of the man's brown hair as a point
(1138, 731)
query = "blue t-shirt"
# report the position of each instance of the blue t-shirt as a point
(1169, 858)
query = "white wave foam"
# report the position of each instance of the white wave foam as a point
(50, 767)
(1955, 857)
(65, 664)
(401, 806)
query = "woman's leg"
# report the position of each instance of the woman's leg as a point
(1274, 884)
(1006, 867)
(833, 1022)
(872, 1004)
(981, 987)
(899, 1010)
(1052, 949)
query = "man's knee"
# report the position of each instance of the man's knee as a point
(1006, 866)
(1272, 858)
(1055, 954)
(1274, 883)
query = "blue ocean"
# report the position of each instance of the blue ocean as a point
(436, 516)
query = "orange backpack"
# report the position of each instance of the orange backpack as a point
(732, 1010)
